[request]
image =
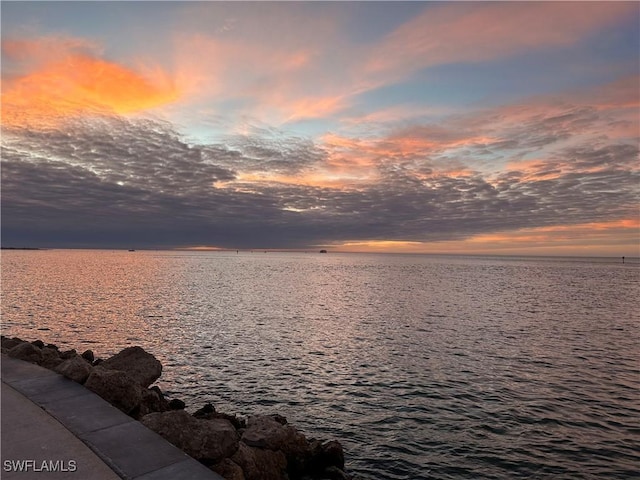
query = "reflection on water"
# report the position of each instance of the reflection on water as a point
(110, 299)
(425, 367)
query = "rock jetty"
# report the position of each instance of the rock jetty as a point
(261, 447)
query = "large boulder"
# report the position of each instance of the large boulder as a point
(334, 473)
(141, 366)
(325, 455)
(9, 343)
(260, 464)
(205, 412)
(50, 358)
(67, 354)
(273, 433)
(27, 352)
(264, 431)
(117, 388)
(326, 461)
(152, 401)
(76, 368)
(88, 356)
(229, 470)
(209, 441)
(177, 404)
(208, 412)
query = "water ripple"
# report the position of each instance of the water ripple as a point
(424, 367)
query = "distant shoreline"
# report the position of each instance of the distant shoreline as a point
(630, 259)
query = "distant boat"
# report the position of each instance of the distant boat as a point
(323, 251)
(131, 250)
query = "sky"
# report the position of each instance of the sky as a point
(436, 127)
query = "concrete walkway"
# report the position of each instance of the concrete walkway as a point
(54, 428)
(29, 433)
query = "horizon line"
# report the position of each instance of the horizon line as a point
(315, 250)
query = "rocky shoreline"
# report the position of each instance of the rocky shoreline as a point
(261, 447)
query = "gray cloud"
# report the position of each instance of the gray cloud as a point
(116, 182)
(275, 152)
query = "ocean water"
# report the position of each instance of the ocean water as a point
(424, 367)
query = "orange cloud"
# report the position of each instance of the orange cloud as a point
(72, 82)
(201, 248)
(381, 246)
(617, 237)
(558, 233)
(321, 178)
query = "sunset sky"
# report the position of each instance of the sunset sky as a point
(507, 128)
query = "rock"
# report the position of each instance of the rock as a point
(27, 352)
(38, 343)
(229, 470)
(76, 368)
(209, 441)
(335, 473)
(237, 422)
(260, 464)
(325, 455)
(152, 401)
(116, 387)
(203, 412)
(268, 432)
(97, 362)
(88, 356)
(156, 388)
(279, 418)
(52, 345)
(9, 343)
(50, 358)
(176, 404)
(208, 412)
(66, 355)
(143, 367)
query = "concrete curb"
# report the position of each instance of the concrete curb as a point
(129, 448)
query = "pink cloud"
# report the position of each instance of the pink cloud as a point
(463, 32)
(29, 53)
(573, 132)
(269, 82)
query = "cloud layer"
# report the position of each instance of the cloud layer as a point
(119, 181)
(240, 138)
(64, 77)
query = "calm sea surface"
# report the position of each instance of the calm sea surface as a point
(424, 367)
